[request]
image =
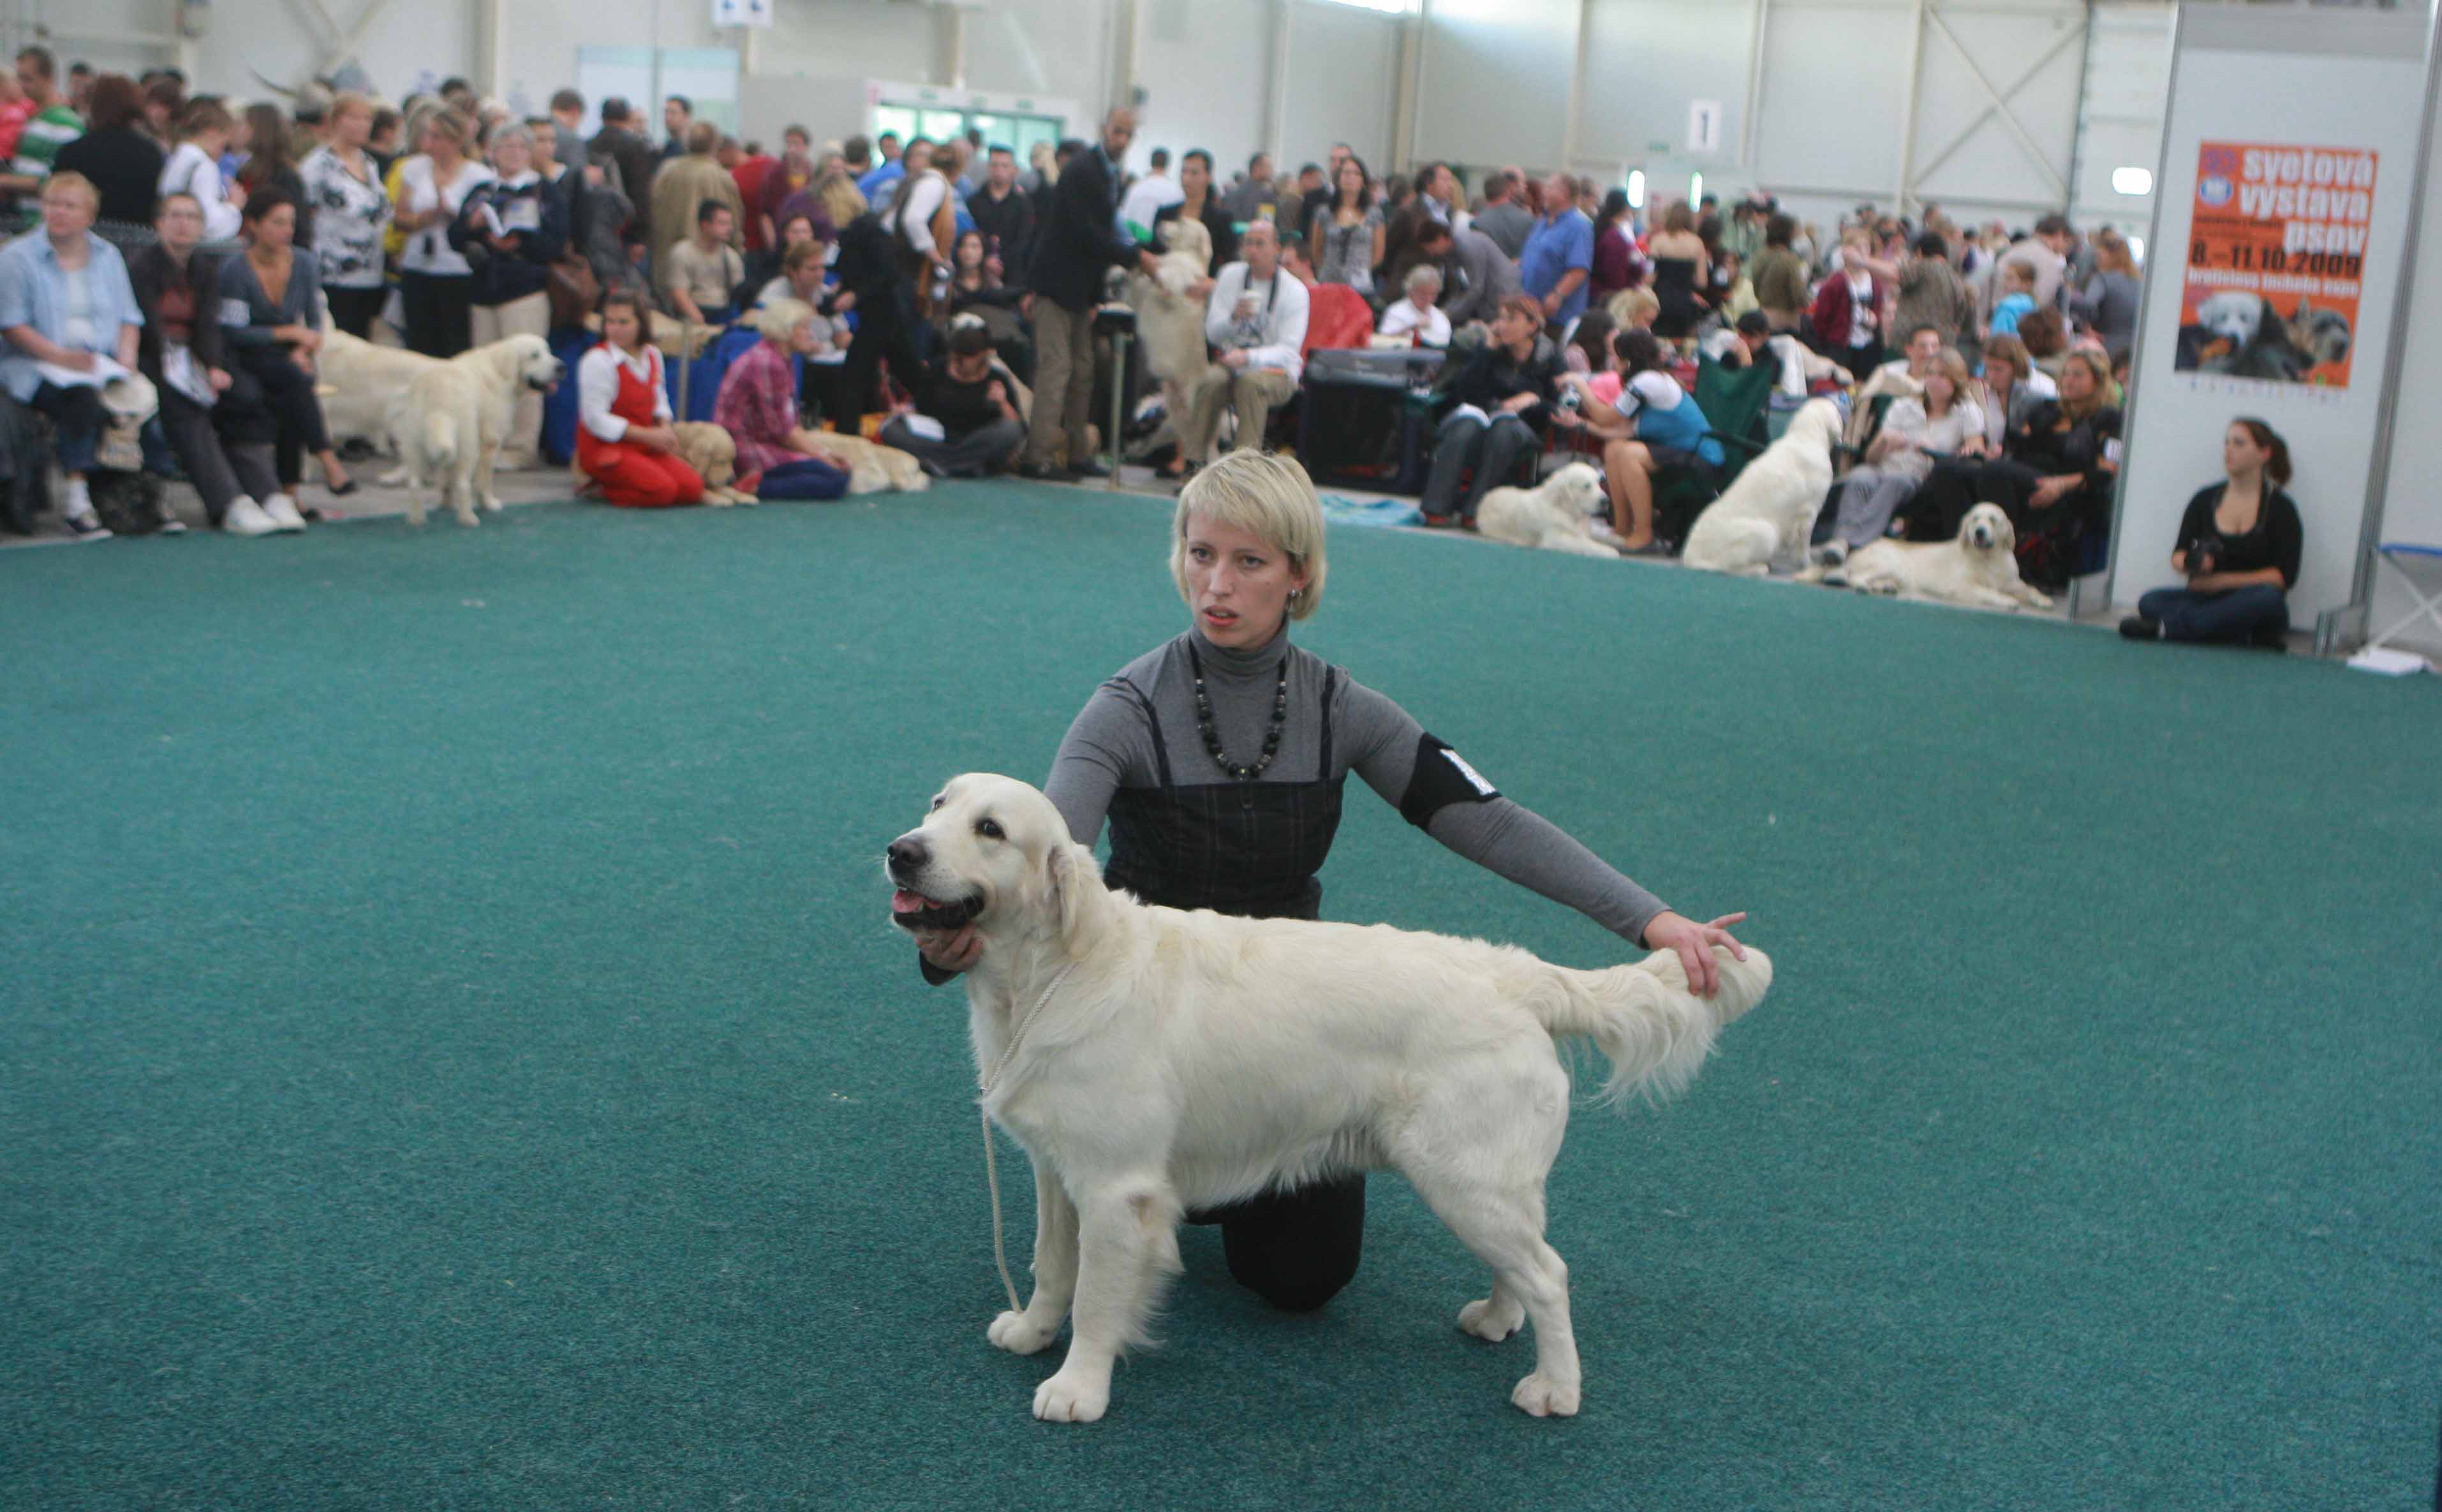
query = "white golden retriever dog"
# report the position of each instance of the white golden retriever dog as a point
(1169, 320)
(358, 381)
(451, 418)
(1151, 1060)
(1768, 513)
(1557, 515)
(1980, 567)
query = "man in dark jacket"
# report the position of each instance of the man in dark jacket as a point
(1005, 215)
(1077, 241)
(635, 157)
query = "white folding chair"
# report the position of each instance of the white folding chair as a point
(2397, 556)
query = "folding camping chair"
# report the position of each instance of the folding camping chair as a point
(1733, 400)
(2397, 555)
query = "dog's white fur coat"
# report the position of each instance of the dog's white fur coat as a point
(1169, 320)
(1558, 515)
(1979, 568)
(1190, 1060)
(449, 421)
(1768, 512)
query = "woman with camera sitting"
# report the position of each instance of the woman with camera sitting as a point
(2238, 549)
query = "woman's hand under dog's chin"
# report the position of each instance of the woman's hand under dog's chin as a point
(949, 950)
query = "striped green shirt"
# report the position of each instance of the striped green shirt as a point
(53, 129)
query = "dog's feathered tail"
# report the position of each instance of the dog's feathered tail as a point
(1655, 1032)
(440, 438)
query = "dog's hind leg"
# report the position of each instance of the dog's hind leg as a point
(1479, 1165)
(1127, 1244)
(1055, 1271)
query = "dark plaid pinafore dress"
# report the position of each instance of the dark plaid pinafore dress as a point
(1251, 848)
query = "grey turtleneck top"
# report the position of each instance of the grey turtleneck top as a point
(1111, 746)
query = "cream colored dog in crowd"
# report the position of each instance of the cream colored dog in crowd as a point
(713, 453)
(357, 382)
(1768, 512)
(1153, 1061)
(451, 418)
(1169, 318)
(873, 467)
(1979, 568)
(1557, 515)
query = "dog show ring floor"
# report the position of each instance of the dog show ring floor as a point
(453, 1052)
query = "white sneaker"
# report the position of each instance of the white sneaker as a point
(245, 518)
(283, 514)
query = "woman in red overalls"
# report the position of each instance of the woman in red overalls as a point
(624, 439)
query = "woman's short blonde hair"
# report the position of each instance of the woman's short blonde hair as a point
(1633, 309)
(779, 320)
(1271, 498)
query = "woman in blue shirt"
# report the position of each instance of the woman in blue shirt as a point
(1653, 425)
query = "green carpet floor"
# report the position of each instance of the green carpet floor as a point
(452, 1053)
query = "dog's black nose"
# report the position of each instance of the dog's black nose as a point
(908, 855)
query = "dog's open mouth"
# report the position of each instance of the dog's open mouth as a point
(913, 910)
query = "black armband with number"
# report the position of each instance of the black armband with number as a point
(1440, 778)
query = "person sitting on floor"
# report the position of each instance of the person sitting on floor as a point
(65, 302)
(2239, 545)
(1417, 316)
(965, 424)
(777, 457)
(624, 439)
(1256, 317)
(1654, 424)
(701, 274)
(221, 442)
(1937, 422)
(1504, 396)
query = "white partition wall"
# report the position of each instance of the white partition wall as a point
(2412, 499)
(2332, 85)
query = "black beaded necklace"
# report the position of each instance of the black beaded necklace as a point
(1213, 738)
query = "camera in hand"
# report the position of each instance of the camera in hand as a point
(2204, 555)
(1571, 399)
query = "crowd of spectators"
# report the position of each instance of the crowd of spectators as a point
(944, 295)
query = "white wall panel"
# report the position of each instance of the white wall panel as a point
(1203, 68)
(1975, 159)
(1645, 59)
(2127, 79)
(1343, 82)
(1835, 93)
(1496, 80)
(2412, 495)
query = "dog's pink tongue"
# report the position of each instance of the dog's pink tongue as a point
(904, 902)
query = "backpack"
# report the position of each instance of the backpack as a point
(129, 504)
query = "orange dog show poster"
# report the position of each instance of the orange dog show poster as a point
(2276, 255)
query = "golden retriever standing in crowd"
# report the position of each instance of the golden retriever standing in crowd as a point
(1152, 1061)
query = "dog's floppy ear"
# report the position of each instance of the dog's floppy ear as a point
(1078, 900)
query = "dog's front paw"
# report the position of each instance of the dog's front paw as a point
(1019, 1334)
(1543, 1396)
(492, 503)
(1485, 1318)
(1065, 1399)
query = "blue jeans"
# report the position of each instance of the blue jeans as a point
(1492, 450)
(2236, 616)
